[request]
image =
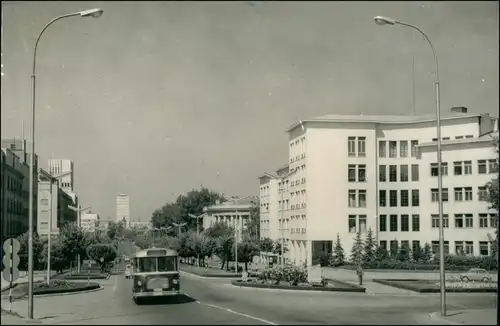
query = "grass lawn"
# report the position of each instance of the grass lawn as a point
(432, 286)
(56, 286)
(331, 285)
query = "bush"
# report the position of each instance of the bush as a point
(452, 262)
(291, 274)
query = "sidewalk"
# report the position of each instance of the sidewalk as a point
(13, 319)
(468, 317)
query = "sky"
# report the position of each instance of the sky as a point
(154, 99)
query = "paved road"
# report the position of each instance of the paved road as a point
(217, 302)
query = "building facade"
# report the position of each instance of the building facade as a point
(355, 173)
(89, 222)
(53, 204)
(229, 213)
(123, 209)
(59, 167)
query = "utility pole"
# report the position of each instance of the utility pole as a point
(179, 226)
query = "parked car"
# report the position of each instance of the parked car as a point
(128, 271)
(476, 274)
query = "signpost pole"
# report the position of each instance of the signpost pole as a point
(11, 268)
(10, 261)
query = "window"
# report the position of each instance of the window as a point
(434, 169)
(459, 137)
(414, 172)
(483, 248)
(483, 220)
(435, 247)
(467, 167)
(415, 198)
(459, 248)
(393, 173)
(393, 150)
(414, 148)
(468, 193)
(482, 194)
(435, 220)
(382, 148)
(492, 166)
(362, 223)
(352, 223)
(459, 194)
(481, 167)
(405, 223)
(393, 223)
(459, 220)
(383, 223)
(415, 223)
(405, 200)
(382, 173)
(351, 175)
(457, 168)
(361, 173)
(493, 221)
(415, 245)
(403, 148)
(393, 198)
(44, 202)
(435, 195)
(351, 146)
(469, 221)
(362, 198)
(469, 248)
(383, 244)
(361, 146)
(382, 198)
(352, 198)
(403, 173)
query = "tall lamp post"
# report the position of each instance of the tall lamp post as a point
(86, 13)
(197, 230)
(179, 226)
(236, 201)
(282, 179)
(389, 21)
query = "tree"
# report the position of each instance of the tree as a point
(381, 253)
(73, 242)
(266, 245)
(494, 244)
(252, 228)
(38, 247)
(57, 260)
(106, 252)
(166, 215)
(247, 249)
(417, 254)
(223, 248)
(492, 186)
(357, 250)
(338, 256)
(369, 257)
(426, 254)
(404, 254)
(277, 248)
(116, 230)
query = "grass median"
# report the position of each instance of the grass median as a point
(430, 286)
(57, 286)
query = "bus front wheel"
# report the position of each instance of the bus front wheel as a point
(137, 301)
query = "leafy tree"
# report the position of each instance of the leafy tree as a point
(166, 215)
(247, 249)
(403, 253)
(357, 250)
(73, 242)
(252, 228)
(393, 251)
(194, 202)
(369, 257)
(116, 230)
(426, 253)
(492, 186)
(223, 249)
(57, 260)
(99, 251)
(38, 247)
(494, 244)
(338, 256)
(266, 245)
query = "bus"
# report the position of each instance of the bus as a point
(155, 274)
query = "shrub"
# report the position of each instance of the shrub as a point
(291, 274)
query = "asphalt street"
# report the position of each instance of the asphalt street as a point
(210, 301)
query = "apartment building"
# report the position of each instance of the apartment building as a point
(123, 209)
(230, 213)
(354, 173)
(89, 222)
(53, 206)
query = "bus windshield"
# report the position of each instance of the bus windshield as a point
(156, 264)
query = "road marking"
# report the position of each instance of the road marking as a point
(240, 314)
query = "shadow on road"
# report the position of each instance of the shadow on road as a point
(180, 299)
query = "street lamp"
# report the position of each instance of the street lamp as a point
(282, 179)
(179, 226)
(86, 13)
(236, 201)
(380, 20)
(156, 229)
(197, 230)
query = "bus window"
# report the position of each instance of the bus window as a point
(167, 264)
(146, 265)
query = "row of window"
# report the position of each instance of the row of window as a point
(460, 194)
(298, 149)
(14, 207)
(356, 146)
(392, 170)
(393, 148)
(465, 167)
(464, 220)
(461, 247)
(404, 198)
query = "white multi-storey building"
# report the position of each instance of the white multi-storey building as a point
(123, 209)
(58, 167)
(354, 173)
(89, 222)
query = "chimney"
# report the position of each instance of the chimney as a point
(459, 109)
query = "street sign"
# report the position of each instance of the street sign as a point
(11, 260)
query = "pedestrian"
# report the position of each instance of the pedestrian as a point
(360, 273)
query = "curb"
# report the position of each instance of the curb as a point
(393, 283)
(434, 316)
(100, 288)
(298, 289)
(213, 276)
